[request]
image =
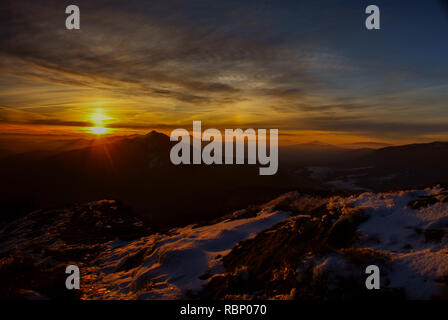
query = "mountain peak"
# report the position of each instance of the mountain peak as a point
(154, 136)
(154, 133)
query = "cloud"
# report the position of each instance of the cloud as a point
(58, 122)
(143, 56)
(250, 63)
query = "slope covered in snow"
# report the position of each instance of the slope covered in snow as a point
(166, 266)
(404, 233)
(411, 227)
(294, 247)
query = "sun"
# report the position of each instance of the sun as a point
(98, 130)
(98, 118)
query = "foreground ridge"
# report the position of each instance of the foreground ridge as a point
(297, 246)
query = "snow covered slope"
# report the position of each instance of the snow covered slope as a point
(294, 247)
(170, 264)
(411, 228)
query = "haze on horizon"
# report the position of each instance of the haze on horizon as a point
(311, 70)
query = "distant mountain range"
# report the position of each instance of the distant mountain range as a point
(411, 155)
(136, 170)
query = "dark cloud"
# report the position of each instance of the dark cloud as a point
(322, 109)
(152, 52)
(49, 122)
(58, 122)
(376, 127)
(355, 125)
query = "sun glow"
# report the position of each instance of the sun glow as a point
(98, 130)
(98, 118)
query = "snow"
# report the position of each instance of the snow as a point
(420, 273)
(419, 266)
(173, 263)
(393, 223)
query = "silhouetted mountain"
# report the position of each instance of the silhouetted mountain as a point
(397, 167)
(428, 155)
(138, 171)
(319, 154)
(366, 144)
(410, 166)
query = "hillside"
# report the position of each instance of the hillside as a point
(297, 246)
(397, 167)
(136, 170)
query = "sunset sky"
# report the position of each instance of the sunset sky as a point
(310, 69)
